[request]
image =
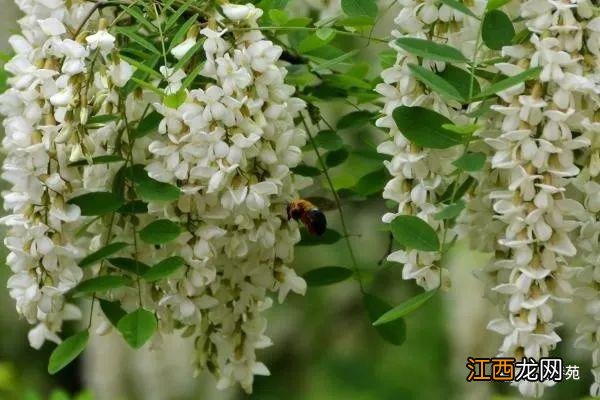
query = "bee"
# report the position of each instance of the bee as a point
(309, 214)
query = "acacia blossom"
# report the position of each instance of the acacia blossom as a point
(543, 129)
(419, 175)
(46, 70)
(231, 145)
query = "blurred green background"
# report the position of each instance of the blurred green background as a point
(324, 346)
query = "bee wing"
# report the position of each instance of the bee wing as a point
(315, 222)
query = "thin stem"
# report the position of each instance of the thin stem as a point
(338, 204)
(310, 29)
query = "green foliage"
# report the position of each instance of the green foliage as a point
(451, 211)
(431, 50)
(393, 332)
(97, 203)
(112, 310)
(425, 127)
(100, 284)
(329, 140)
(138, 327)
(329, 237)
(497, 30)
(336, 157)
(436, 83)
(405, 308)
(102, 253)
(306, 170)
(414, 233)
(507, 83)
(325, 276)
(470, 161)
(67, 351)
(360, 8)
(164, 269)
(160, 232)
(355, 119)
(129, 265)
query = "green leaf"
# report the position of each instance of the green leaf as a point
(325, 64)
(329, 237)
(100, 284)
(458, 5)
(327, 276)
(112, 310)
(312, 42)
(182, 32)
(436, 83)
(148, 125)
(102, 253)
(336, 157)
(507, 83)
(393, 332)
(136, 13)
(461, 80)
(129, 265)
(493, 4)
(105, 159)
(102, 119)
(306, 170)
(431, 50)
(424, 127)
(360, 8)
(131, 34)
(176, 15)
(187, 82)
(142, 67)
(329, 140)
(470, 161)
(355, 119)
(279, 17)
(160, 232)
(67, 351)
(97, 203)
(138, 327)
(152, 190)
(164, 268)
(414, 233)
(134, 207)
(405, 308)
(467, 129)
(497, 30)
(176, 99)
(451, 211)
(372, 183)
(462, 189)
(356, 22)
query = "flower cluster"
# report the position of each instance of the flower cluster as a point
(48, 68)
(231, 145)
(419, 175)
(544, 129)
(226, 147)
(536, 202)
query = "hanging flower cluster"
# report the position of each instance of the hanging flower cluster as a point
(419, 175)
(230, 145)
(41, 122)
(534, 204)
(175, 179)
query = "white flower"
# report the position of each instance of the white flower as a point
(121, 73)
(101, 40)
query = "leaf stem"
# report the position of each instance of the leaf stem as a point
(338, 203)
